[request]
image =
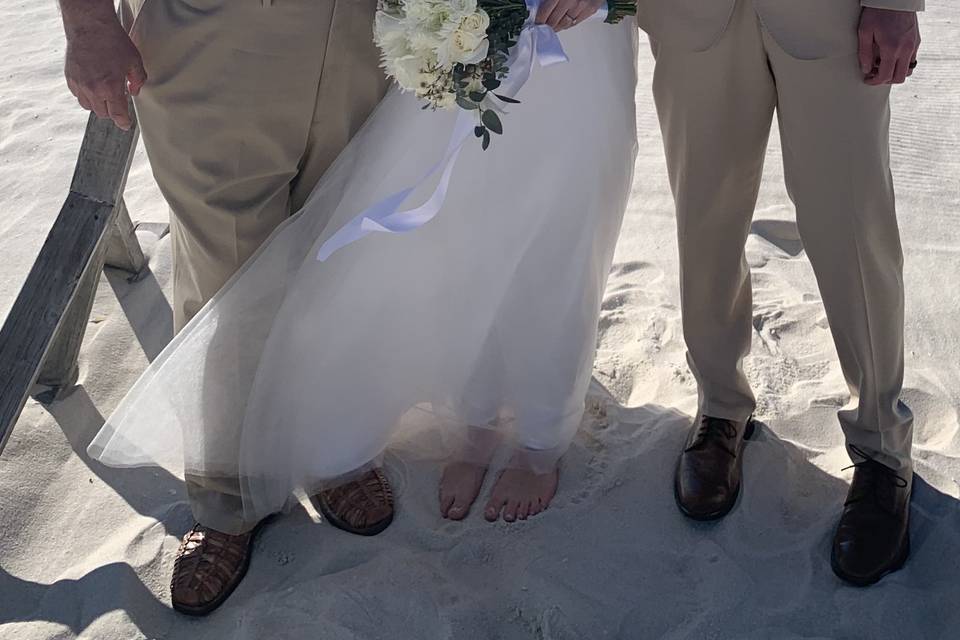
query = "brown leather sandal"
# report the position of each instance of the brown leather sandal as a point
(363, 506)
(209, 566)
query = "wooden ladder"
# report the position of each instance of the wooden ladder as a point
(40, 340)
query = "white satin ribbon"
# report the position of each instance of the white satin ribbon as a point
(537, 44)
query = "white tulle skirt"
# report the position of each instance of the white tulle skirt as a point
(301, 371)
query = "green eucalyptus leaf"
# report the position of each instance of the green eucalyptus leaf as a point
(491, 121)
(466, 104)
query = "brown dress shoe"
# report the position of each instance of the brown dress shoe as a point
(209, 566)
(363, 506)
(873, 537)
(708, 474)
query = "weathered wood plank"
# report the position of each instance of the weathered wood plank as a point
(72, 246)
(105, 157)
(60, 370)
(122, 247)
(50, 287)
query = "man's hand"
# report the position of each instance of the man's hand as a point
(889, 41)
(102, 62)
(563, 14)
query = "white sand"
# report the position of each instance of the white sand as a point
(87, 551)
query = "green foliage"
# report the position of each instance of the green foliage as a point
(475, 82)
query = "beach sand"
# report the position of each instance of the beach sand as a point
(87, 551)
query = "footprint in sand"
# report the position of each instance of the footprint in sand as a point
(782, 234)
(936, 421)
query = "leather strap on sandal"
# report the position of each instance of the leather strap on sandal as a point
(363, 506)
(208, 567)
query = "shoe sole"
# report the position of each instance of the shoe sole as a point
(199, 612)
(727, 508)
(868, 581)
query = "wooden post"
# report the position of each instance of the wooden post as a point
(66, 271)
(122, 247)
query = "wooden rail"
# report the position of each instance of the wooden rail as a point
(40, 340)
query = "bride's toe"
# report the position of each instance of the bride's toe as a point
(510, 511)
(459, 509)
(523, 509)
(446, 503)
(492, 511)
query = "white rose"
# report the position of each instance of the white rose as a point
(476, 23)
(466, 47)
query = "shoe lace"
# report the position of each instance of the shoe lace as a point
(879, 477)
(717, 430)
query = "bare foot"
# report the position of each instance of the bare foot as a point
(521, 493)
(463, 476)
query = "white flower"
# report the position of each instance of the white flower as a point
(476, 23)
(461, 8)
(446, 100)
(390, 36)
(407, 70)
(386, 26)
(426, 15)
(425, 42)
(465, 47)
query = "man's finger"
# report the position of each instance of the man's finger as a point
(74, 89)
(865, 50)
(96, 104)
(888, 63)
(900, 71)
(136, 77)
(545, 10)
(84, 101)
(913, 58)
(79, 94)
(119, 113)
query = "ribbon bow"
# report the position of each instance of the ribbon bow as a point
(537, 44)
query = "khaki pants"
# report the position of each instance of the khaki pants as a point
(716, 109)
(247, 104)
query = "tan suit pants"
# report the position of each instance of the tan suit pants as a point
(247, 104)
(716, 109)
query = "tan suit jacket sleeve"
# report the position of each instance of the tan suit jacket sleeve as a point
(896, 5)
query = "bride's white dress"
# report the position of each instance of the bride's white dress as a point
(301, 371)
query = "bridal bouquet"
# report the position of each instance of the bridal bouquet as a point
(456, 53)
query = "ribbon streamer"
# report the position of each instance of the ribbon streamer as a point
(537, 44)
